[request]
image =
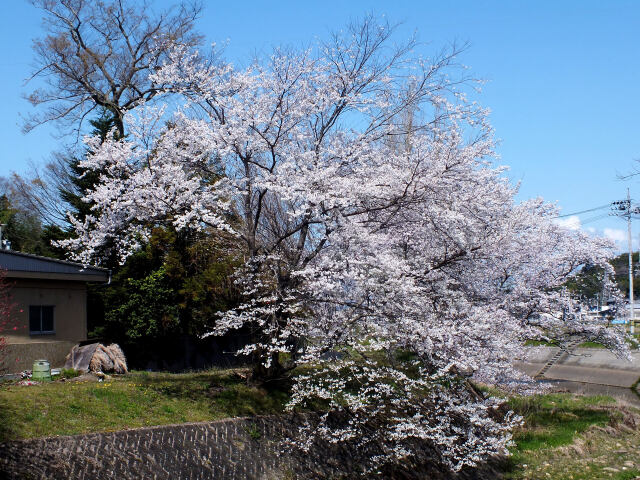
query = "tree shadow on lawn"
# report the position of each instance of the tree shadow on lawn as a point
(228, 394)
(7, 430)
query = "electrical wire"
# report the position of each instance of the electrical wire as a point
(594, 219)
(608, 205)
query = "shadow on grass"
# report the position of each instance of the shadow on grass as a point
(552, 421)
(555, 420)
(553, 429)
(227, 394)
(7, 431)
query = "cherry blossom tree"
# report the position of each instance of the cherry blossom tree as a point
(382, 248)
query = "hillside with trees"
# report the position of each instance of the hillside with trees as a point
(590, 284)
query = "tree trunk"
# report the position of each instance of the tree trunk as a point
(274, 374)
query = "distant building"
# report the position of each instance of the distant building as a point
(50, 314)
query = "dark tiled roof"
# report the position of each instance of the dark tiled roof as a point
(27, 265)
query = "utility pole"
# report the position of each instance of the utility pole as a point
(631, 311)
(625, 210)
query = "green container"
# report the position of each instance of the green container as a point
(41, 371)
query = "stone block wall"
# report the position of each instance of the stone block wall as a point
(234, 449)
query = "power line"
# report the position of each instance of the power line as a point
(608, 205)
(594, 219)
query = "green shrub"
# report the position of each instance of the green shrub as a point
(69, 373)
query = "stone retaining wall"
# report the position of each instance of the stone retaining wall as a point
(235, 449)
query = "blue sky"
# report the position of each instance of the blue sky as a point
(563, 80)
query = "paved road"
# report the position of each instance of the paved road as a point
(591, 371)
(626, 395)
(600, 376)
(587, 365)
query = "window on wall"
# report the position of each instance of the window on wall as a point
(41, 320)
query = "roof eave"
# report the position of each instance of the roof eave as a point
(98, 277)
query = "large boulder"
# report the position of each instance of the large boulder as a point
(96, 357)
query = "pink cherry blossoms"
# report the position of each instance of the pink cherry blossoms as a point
(382, 248)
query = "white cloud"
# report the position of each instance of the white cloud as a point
(572, 222)
(616, 234)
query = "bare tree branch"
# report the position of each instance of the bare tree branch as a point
(100, 54)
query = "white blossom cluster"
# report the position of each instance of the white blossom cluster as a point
(383, 249)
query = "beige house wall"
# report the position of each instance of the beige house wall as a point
(70, 322)
(20, 356)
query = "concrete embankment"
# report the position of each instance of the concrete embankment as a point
(587, 370)
(233, 449)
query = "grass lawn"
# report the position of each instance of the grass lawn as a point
(591, 345)
(134, 400)
(567, 437)
(540, 343)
